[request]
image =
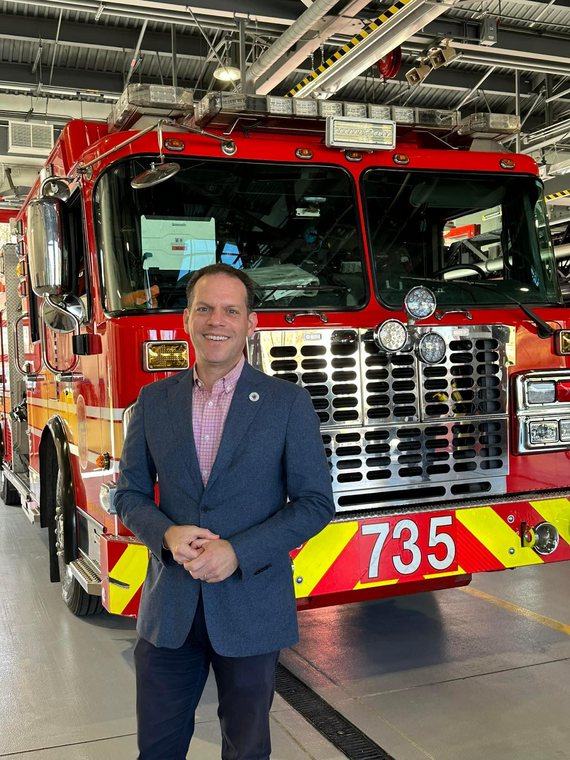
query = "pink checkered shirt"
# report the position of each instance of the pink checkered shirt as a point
(209, 412)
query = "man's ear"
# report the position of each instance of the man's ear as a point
(251, 323)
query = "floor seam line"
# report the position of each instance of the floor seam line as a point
(69, 744)
(462, 678)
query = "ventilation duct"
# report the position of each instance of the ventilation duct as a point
(30, 139)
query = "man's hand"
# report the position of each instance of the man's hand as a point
(216, 562)
(179, 538)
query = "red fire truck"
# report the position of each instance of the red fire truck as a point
(405, 277)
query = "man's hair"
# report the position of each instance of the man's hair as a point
(230, 272)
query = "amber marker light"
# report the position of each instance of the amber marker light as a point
(304, 153)
(163, 356)
(562, 342)
(353, 155)
(173, 143)
(507, 163)
(401, 159)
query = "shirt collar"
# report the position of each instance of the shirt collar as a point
(226, 383)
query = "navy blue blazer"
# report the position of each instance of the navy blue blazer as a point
(269, 491)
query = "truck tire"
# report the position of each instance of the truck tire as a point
(76, 599)
(9, 493)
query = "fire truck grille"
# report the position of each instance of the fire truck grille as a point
(396, 430)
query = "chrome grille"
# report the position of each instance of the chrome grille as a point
(472, 380)
(395, 430)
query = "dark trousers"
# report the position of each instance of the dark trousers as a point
(170, 683)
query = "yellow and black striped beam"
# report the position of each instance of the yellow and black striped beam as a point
(350, 45)
(554, 196)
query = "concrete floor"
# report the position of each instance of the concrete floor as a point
(444, 676)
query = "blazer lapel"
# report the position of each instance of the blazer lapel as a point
(180, 408)
(245, 405)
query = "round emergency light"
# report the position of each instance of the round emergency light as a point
(391, 336)
(431, 348)
(419, 302)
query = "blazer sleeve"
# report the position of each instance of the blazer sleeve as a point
(134, 500)
(308, 483)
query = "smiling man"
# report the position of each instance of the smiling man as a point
(243, 481)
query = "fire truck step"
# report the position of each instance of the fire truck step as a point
(87, 578)
(339, 731)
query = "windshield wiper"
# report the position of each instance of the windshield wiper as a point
(543, 329)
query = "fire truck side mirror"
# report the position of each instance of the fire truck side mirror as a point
(48, 254)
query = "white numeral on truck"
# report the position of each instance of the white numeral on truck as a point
(441, 538)
(382, 530)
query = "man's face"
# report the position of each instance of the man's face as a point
(217, 321)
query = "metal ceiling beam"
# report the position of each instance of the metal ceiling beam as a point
(284, 57)
(82, 80)
(74, 80)
(30, 29)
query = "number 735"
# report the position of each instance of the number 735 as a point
(407, 527)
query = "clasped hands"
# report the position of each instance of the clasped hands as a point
(205, 555)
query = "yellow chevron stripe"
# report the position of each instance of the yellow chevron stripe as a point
(337, 55)
(373, 26)
(345, 48)
(360, 585)
(318, 554)
(363, 33)
(354, 41)
(321, 68)
(497, 536)
(131, 568)
(383, 18)
(557, 512)
(329, 62)
(393, 9)
(459, 571)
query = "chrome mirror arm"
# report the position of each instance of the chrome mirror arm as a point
(45, 360)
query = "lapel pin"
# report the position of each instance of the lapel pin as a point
(254, 396)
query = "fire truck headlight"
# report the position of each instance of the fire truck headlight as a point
(165, 355)
(545, 431)
(565, 430)
(541, 393)
(546, 538)
(431, 348)
(420, 302)
(391, 336)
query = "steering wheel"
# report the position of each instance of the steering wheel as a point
(456, 267)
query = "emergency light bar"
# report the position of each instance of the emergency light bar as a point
(366, 134)
(226, 106)
(157, 100)
(490, 125)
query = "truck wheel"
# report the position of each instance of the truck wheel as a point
(9, 493)
(76, 599)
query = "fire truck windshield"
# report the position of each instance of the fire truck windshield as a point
(448, 229)
(293, 228)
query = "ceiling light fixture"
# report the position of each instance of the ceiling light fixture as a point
(227, 74)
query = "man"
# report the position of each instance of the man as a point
(243, 480)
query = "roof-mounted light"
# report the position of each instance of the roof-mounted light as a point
(367, 134)
(149, 100)
(490, 124)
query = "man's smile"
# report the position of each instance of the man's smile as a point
(216, 337)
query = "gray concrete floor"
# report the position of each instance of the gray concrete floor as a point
(444, 676)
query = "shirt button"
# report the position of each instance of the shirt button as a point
(204, 472)
(210, 403)
(206, 437)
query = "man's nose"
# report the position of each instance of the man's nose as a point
(217, 316)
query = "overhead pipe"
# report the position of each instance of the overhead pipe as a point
(290, 37)
(283, 65)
